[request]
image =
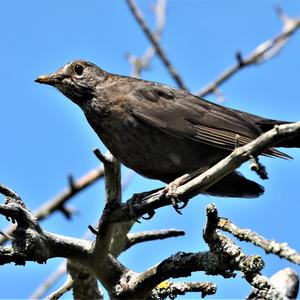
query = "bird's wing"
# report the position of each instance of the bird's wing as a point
(181, 114)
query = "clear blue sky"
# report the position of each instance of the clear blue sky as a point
(45, 137)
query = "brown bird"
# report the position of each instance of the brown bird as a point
(159, 131)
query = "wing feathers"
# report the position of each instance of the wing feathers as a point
(180, 114)
(229, 140)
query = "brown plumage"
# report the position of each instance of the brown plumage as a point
(159, 131)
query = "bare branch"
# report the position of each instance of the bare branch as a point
(223, 258)
(178, 265)
(112, 178)
(111, 237)
(261, 53)
(112, 202)
(145, 236)
(7, 192)
(250, 266)
(258, 168)
(270, 246)
(8, 237)
(153, 39)
(31, 243)
(84, 282)
(78, 186)
(142, 63)
(62, 290)
(37, 245)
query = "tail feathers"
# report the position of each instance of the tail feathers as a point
(293, 142)
(237, 186)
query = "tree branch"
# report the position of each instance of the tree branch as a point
(270, 246)
(49, 282)
(31, 243)
(250, 266)
(61, 290)
(261, 53)
(143, 62)
(107, 231)
(84, 282)
(223, 258)
(155, 43)
(145, 236)
(285, 281)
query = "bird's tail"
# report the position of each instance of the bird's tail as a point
(237, 186)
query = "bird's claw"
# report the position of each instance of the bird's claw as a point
(170, 193)
(184, 204)
(176, 207)
(150, 215)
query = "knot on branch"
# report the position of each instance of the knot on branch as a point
(31, 243)
(251, 264)
(126, 285)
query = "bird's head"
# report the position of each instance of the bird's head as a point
(77, 80)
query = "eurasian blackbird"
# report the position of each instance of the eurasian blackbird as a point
(159, 131)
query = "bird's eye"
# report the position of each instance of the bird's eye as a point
(78, 69)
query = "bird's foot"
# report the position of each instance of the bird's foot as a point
(170, 192)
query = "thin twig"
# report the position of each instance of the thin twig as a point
(262, 52)
(49, 282)
(145, 236)
(143, 62)
(67, 285)
(152, 38)
(78, 186)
